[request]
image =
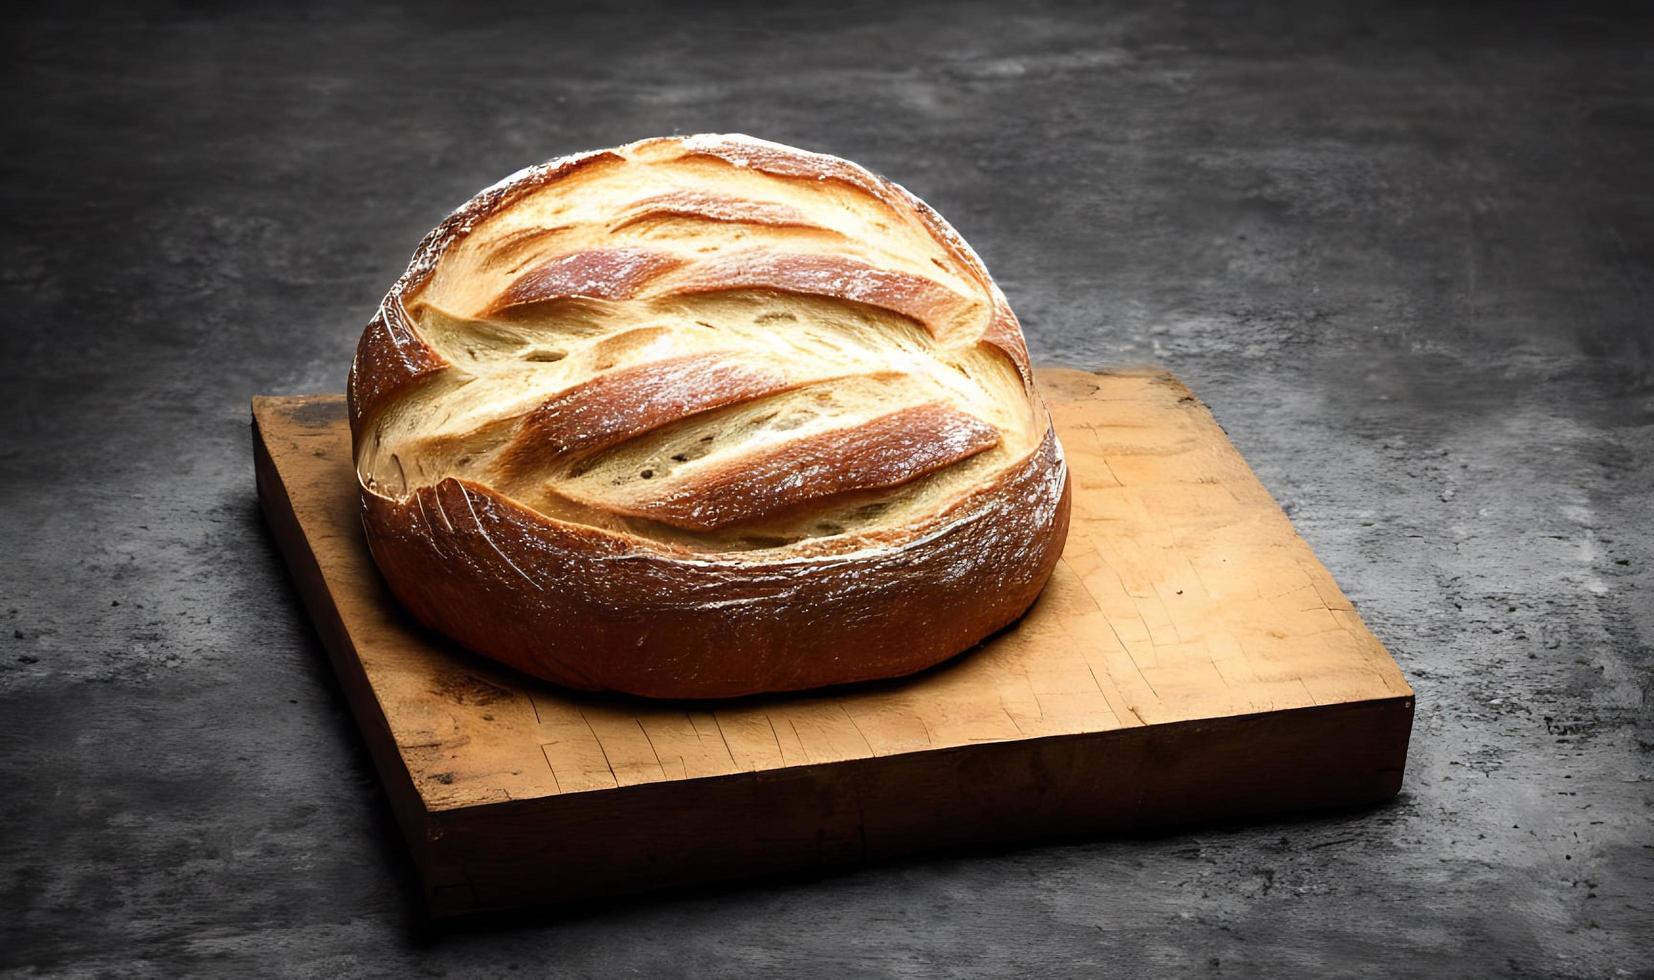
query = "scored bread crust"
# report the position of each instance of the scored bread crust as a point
(704, 417)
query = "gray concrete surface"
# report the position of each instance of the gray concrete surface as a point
(1404, 253)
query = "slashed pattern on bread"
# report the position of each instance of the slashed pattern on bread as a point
(703, 417)
(691, 342)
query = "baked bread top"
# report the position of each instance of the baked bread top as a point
(710, 350)
(712, 343)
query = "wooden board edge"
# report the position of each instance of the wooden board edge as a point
(406, 803)
(462, 870)
(839, 815)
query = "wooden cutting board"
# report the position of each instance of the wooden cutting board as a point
(1189, 661)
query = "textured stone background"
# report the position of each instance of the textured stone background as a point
(1404, 253)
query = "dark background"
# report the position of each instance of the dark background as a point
(1403, 251)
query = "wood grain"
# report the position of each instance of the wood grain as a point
(1189, 660)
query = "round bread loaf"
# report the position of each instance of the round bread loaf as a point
(703, 417)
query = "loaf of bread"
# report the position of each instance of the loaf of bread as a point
(703, 417)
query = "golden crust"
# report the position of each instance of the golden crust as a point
(600, 273)
(390, 358)
(886, 451)
(622, 404)
(873, 497)
(591, 610)
(923, 300)
(712, 207)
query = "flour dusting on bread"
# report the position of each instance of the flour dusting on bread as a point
(718, 352)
